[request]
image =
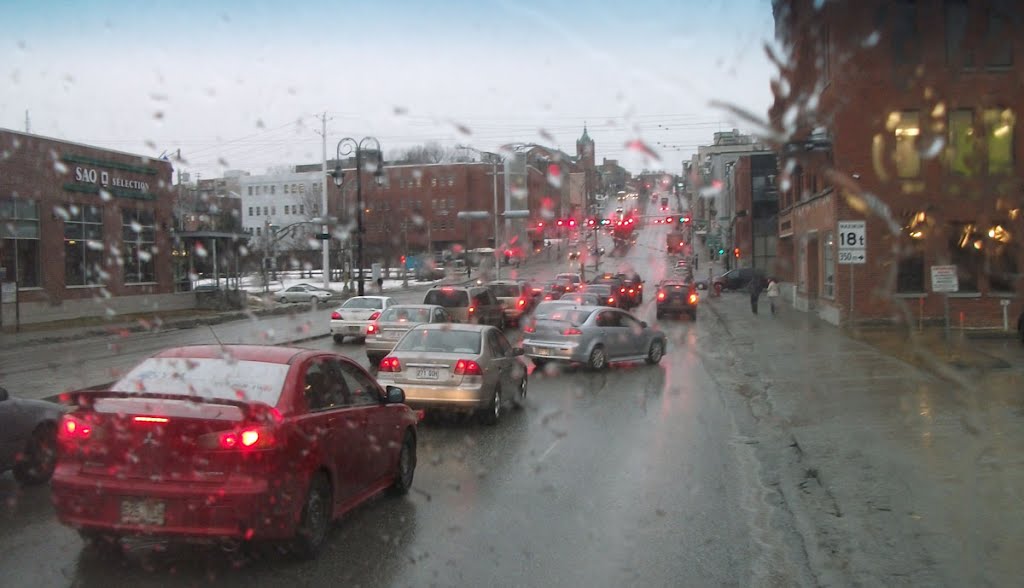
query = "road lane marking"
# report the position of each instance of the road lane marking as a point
(548, 450)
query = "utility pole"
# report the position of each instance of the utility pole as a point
(497, 255)
(28, 123)
(325, 228)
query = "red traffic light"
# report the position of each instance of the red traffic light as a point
(540, 225)
(670, 219)
(736, 252)
(572, 222)
(686, 219)
(560, 222)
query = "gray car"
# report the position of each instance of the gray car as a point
(592, 335)
(304, 293)
(28, 437)
(383, 333)
(462, 367)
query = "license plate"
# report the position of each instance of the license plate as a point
(353, 329)
(427, 373)
(142, 512)
(543, 351)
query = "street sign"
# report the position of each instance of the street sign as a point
(944, 279)
(323, 236)
(8, 292)
(852, 242)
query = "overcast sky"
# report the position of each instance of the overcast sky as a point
(239, 84)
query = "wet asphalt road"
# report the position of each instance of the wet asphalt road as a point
(631, 477)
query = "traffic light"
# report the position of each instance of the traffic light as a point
(670, 220)
(590, 223)
(540, 225)
(686, 219)
(736, 252)
(560, 222)
(403, 260)
(721, 251)
(572, 222)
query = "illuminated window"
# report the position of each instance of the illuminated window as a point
(907, 128)
(83, 246)
(961, 141)
(999, 140)
(138, 235)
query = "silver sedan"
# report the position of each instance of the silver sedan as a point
(393, 323)
(592, 335)
(460, 366)
(304, 293)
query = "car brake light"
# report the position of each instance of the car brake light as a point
(448, 289)
(371, 328)
(73, 428)
(529, 329)
(375, 316)
(247, 438)
(611, 300)
(390, 364)
(661, 295)
(632, 291)
(572, 331)
(521, 302)
(467, 367)
(150, 419)
(335, 316)
(472, 309)
(693, 299)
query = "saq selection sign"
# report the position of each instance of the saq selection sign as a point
(103, 178)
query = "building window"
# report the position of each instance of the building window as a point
(451, 180)
(273, 210)
(19, 249)
(285, 188)
(828, 276)
(250, 190)
(266, 211)
(286, 209)
(957, 53)
(302, 209)
(419, 182)
(433, 182)
(910, 267)
(999, 36)
(966, 248)
(302, 188)
(259, 231)
(999, 140)
(907, 128)
(137, 232)
(273, 189)
(961, 141)
(906, 43)
(451, 202)
(250, 211)
(83, 246)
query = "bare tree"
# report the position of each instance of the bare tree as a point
(431, 152)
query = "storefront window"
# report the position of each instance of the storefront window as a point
(83, 246)
(138, 229)
(829, 262)
(999, 135)
(966, 252)
(19, 249)
(961, 141)
(907, 128)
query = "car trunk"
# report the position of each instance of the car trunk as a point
(393, 330)
(161, 439)
(432, 369)
(357, 314)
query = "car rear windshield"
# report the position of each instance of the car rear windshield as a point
(546, 308)
(441, 341)
(504, 290)
(598, 289)
(572, 316)
(362, 303)
(447, 298)
(225, 379)
(412, 315)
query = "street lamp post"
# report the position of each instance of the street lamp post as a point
(347, 146)
(497, 231)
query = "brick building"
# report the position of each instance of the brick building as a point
(85, 231)
(901, 114)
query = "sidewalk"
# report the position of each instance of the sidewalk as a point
(894, 477)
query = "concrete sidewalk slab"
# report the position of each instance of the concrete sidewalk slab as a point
(895, 477)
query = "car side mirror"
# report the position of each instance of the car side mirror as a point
(3, 394)
(395, 395)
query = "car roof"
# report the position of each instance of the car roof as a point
(455, 327)
(371, 297)
(426, 306)
(264, 353)
(504, 283)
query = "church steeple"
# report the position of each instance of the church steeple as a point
(585, 148)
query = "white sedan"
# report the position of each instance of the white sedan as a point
(304, 293)
(356, 314)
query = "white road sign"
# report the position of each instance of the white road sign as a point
(944, 279)
(852, 242)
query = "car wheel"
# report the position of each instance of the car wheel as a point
(339, 338)
(316, 519)
(656, 352)
(40, 457)
(406, 465)
(520, 400)
(538, 362)
(492, 414)
(283, 300)
(598, 360)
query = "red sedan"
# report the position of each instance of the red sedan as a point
(232, 443)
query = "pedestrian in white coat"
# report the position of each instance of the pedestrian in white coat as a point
(772, 292)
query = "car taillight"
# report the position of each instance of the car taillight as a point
(693, 299)
(335, 316)
(472, 309)
(245, 438)
(611, 300)
(622, 290)
(529, 329)
(467, 367)
(74, 428)
(390, 364)
(371, 329)
(151, 420)
(572, 331)
(521, 302)
(632, 291)
(661, 295)
(375, 316)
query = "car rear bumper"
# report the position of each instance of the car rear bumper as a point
(380, 346)
(676, 307)
(469, 397)
(354, 328)
(553, 350)
(237, 508)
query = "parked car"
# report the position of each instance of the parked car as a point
(356, 314)
(468, 304)
(28, 437)
(304, 293)
(388, 328)
(457, 367)
(232, 443)
(738, 279)
(515, 298)
(593, 336)
(677, 297)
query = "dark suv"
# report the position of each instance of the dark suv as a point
(738, 279)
